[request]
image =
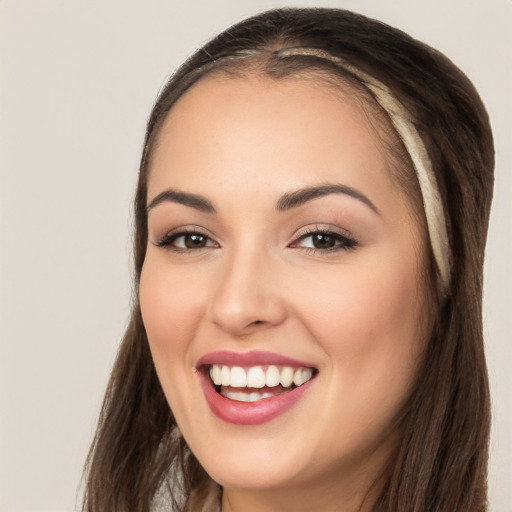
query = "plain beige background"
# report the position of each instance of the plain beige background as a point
(77, 81)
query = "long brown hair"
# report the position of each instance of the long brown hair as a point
(440, 463)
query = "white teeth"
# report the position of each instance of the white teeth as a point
(225, 376)
(242, 396)
(286, 376)
(256, 377)
(302, 375)
(273, 376)
(238, 377)
(297, 377)
(307, 374)
(236, 395)
(216, 374)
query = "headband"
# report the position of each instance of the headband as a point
(403, 123)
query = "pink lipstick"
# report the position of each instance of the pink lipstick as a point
(254, 387)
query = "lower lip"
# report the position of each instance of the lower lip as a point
(251, 413)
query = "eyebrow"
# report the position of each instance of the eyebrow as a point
(299, 197)
(286, 202)
(175, 196)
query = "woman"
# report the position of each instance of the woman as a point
(311, 214)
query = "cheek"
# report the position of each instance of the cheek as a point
(370, 310)
(170, 305)
(363, 302)
(367, 323)
(171, 310)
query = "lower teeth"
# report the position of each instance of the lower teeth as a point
(241, 396)
(244, 396)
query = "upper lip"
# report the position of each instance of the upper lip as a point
(252, 358)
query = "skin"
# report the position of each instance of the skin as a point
(259, 284)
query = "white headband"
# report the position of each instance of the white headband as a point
(404, 125)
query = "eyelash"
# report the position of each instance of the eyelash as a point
(169, 239)
(343, 243)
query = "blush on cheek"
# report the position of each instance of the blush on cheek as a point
(365, 315)
(169, 304)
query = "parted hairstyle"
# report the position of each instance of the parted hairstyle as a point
(440, 463)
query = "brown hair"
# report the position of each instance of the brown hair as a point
(441, 461)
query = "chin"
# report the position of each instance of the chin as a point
(250, 476)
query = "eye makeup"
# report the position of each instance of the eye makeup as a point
(187, 238)
(323, 239)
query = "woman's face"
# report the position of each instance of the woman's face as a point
(279, 248)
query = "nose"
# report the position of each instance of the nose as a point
(249, 295)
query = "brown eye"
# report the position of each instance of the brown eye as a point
(185, 241)
(323, 241)
(194, 241)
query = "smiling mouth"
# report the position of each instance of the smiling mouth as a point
(255, 383)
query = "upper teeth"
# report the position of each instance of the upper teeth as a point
(258, 377)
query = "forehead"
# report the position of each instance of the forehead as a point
(297, 125)
(221, 90)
